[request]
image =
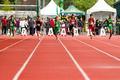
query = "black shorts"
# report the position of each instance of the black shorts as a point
(38, 28)
(71, 28)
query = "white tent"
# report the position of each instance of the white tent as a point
(50, 9)
(7, 13)
(101, 10)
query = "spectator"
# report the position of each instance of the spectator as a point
(4, 25)
(12, 25)
(80, 25)
(38, 25)
(23, 26)
(72, 24)
(31, 26)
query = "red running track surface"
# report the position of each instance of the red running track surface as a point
(62, 59)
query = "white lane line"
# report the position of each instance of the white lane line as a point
(17, 75)
(11, 45)
(105, 67)
(109, 44)
(108, 54)
(75, 62)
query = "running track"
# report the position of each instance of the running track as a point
(68, 58)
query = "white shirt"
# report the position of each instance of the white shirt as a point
(23, 23)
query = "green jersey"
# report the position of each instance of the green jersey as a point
(110, 24)
(12, 23)
(57, 27)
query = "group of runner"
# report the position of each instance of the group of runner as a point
(108, 24)
(69, 23)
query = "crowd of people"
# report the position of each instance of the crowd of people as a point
(30, 26)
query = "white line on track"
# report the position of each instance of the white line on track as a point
(108, 54)
(75, 62)
(11, 45)
(17, 75)
(109, 44)
(105, 67)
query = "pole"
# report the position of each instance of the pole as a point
(61, 6)
(37, 7)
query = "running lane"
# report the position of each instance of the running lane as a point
(8, 42)
(115, 51)
(51, 62)
(1, 40)
(114, 40)
(96, 65)
(12, 58)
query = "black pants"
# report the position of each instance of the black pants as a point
(4, 29)
(71, 29)
(32, 31)
(97, 31)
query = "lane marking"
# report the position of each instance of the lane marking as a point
(19, 72)
(105, 67)
(75, 62)
(109, 44)
(11, 45)
(108, 54)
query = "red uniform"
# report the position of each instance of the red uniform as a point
(4, 22)
(91, 24)
(52, 23)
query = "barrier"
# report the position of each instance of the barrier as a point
(8, 32)
(89, 32)
(24, 32)
(63, 32)
(102, 32)
(75, 31)
(50, 32)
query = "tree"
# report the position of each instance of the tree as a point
(1, 1)
(84, 4)
(80, 4)
(11, 1)
(6, 6)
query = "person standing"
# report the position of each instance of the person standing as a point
(23, 26)
(4, 25)
(91, 22)
(97, 27)
(17, 25)
(72, 24)
(12, 25)
(31, 26)
(80, 25)
(38, 25)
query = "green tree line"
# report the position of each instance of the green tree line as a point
(84, 4)
(11, 1)
(80, 4)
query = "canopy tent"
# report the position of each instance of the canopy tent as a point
(50, 9)
(73, 10)
(6, 13)
(101, 10)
